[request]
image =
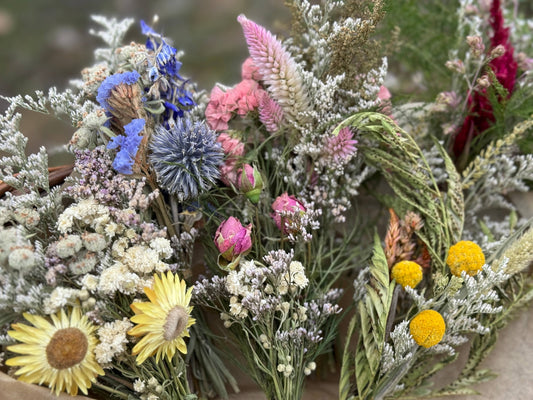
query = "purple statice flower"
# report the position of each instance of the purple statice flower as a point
(164, 73)
(107, 86)
(129, 145)
(186, 157)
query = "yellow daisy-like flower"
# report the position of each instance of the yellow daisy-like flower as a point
(407, 273)
(427, 328)
(60, 354)
(465, 256)
(164, 320)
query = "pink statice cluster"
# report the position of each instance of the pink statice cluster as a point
(247, 96)
(223, 105)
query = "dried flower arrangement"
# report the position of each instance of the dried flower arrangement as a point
(251, 204)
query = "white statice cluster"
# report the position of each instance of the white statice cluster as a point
(113, 341)
(87, 213)
(149, 389)
(477, 297)
(506, 173)
(125, 258)
(256, 289)
(61, 297)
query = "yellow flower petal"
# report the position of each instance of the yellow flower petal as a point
(164, 320)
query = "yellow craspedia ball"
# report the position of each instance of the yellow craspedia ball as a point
(465, 256)
(427, 328)
(407, 273)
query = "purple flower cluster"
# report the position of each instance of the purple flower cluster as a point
(129, 145)
(164, 74)
(94, 177)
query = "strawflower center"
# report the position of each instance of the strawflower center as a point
(67, 348)
(175, 323)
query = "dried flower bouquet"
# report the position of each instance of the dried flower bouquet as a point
(265, 204)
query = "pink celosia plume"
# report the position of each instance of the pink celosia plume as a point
(277, 69)
(270, 113)
(341, 147)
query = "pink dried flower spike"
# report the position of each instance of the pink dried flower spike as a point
(279, 72)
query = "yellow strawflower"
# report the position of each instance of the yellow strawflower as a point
(465, 256)
(407, 273)
(164, 321)
(427, 328)
(60, 354)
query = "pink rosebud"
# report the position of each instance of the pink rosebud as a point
(249, 70)
(250, 182)
(232, 239)
(284, 205)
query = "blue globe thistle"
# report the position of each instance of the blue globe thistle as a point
(186, 157)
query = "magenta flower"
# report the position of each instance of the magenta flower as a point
(283, 207)
(340, 148)
(249, 182)
(232, 240)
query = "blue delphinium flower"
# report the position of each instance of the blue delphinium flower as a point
(186, 157)
(165, 72)
(104, 91)
(129, 145)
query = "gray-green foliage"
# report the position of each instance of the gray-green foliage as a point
(112, 33)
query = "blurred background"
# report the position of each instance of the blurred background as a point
(46, 43)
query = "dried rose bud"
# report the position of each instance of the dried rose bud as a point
(249, 182)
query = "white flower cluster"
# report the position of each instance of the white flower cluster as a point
(113, 340)
(124, 258)
(150, 389)
(257, 289)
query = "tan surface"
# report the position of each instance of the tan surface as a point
(10, 389)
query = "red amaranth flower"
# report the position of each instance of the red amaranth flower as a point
(481, 115)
